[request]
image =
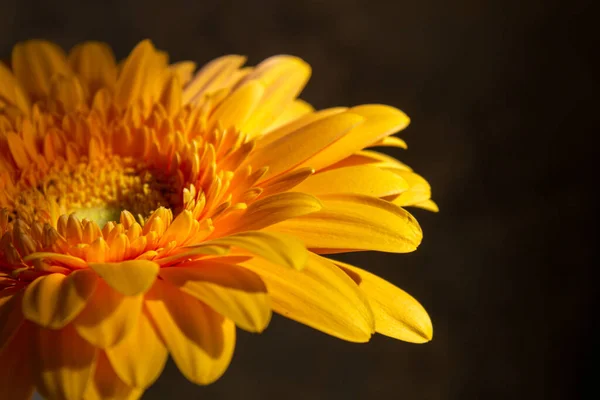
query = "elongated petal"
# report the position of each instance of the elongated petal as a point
(397, 314)
(130, 278)
(212, 76)
(428, 205)
(62, 363)
(108, 317)
(271, 210)
(139, 359)
(11, 316)
(380, 121)
(54, 300)
(279, 249)
(419, 190)
(95, 64)
(233, 291)
(131, 80)
(200, 341)
(16, 380)
(11, 90)
(184, 70)
(35, 62)
(361, 179)
(292, 112)
(106, 385)
(355, 222)
(237, 108)
(292, 150)
(320, 296)
(282, 87)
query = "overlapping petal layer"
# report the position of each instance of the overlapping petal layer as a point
(146, 210)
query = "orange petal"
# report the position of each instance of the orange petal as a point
(139, 359)
(54, 300)
(95, 64)
(320, 296)
(130, 278)
(131, 81)
(106, 385)
(200, 341)
(108, 316)
(35, 62)
(11, 90)
(62, 363)
(235, 292)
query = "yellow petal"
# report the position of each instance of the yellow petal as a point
(54, 300)
(390, 141)
(133, 76)
(106, 385)
(130, 278)
(380, 121)
(35, 62)
(11, 90)
(212, 76)
(200, 341)
(16, 380)
(292, 126)
(285, 182)
(295, 148)
(63, 363)
(184, 70)
(428, 205)
(283, 83)
(237, 108)
(270, 210)
(292, 112)
(418, 191)
(139, 359)
(108, 316)
(361, 179)
(370, 157)
(95, 64)
(320, 296)
(279, 249)
(11, 317)
(355, 222)
(233, 291)
(397, 314)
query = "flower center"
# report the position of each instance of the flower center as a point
(97, 190)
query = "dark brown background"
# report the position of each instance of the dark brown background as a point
(501, 100)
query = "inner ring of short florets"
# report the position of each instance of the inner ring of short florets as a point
(98, 191)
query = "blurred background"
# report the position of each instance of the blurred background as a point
(501, 99)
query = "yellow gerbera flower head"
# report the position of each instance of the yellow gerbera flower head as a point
(147, 210)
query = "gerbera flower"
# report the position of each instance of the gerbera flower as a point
(147, 210)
